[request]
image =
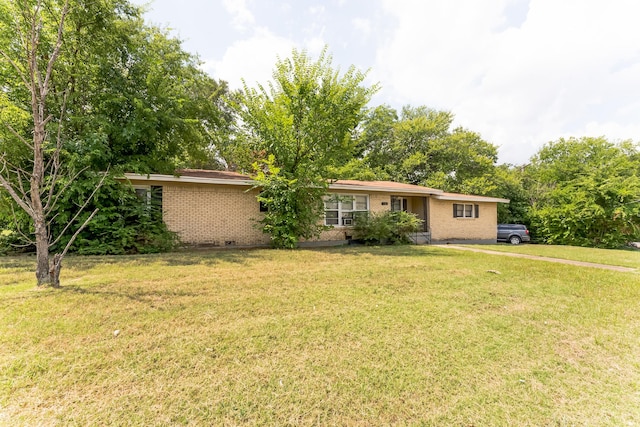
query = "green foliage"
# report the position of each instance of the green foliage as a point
(386, 228)
(585, 192)
(134, 100)
(299, 129)
(508, 181)
(307, 117)
(294, 206)
(418, 147)
(125, 223)
(7, 238)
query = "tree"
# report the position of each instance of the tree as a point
(133, 101)
(303, 125)
(293, 206)
(509, 185)
(39, 28)
(419, 147)
(585, 192)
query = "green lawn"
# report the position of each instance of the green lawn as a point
(621, 257)
(345, 336)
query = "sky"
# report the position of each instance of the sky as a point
(521, 73)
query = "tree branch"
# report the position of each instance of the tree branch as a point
(19, 230)
(55, 159)
(73, 238)
(14, 195)
(21, 74)
(20, 137)
(51, 202)
(84, 205)
(56, 50)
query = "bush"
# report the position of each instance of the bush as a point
(124, 224)
(7, 237)
(386, 228)
(293, 207)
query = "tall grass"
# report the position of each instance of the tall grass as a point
(348, 336)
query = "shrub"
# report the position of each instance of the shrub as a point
(293, 207)
(386, 228)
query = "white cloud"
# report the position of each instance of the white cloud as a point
(317, 10)
(363, 26)
(242, 16)
(569, 69)
(252, 59)
(314, 45)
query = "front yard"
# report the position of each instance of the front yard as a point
(343, 336)
(624, 258)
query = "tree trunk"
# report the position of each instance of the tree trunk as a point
(42, 253)
(54, 271)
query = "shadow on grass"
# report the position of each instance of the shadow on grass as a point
(182, 258)
(18, 262)
(133, 294)
(25, 263)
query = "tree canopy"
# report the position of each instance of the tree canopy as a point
(418, 146)
(88, 87)
(585, 192)
(299, 127)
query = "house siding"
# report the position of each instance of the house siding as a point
(445, 227)
(221, 215)
(225, 215)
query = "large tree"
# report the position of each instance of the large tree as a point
(418, 146)
(88, 87)
(585, 192)
(300, 125)
(36, 186)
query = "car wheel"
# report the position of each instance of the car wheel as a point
(515, 240)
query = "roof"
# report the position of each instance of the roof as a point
(202, 176)
(347, 184)
(468, 198)
(204, 173)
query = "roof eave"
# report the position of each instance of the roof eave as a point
(470, 198)
(437, 194)
(189, 179)
(350, 187)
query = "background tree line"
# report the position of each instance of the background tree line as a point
(125, 97)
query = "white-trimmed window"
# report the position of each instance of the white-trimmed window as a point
(143, 192)
(466, 211)
(151, 195)
(341, 210)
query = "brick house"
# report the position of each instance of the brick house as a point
(219, 208)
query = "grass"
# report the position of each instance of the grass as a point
(620, 257)
(347, 336)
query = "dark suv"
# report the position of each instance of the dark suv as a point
(513, 233)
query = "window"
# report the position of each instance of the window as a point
(143, 192)
(398, 204)
(151, 195)
(466, 211)
(341, 211)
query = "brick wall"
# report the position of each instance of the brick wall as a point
(214, 215)
(225, 215)
(445, 227)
